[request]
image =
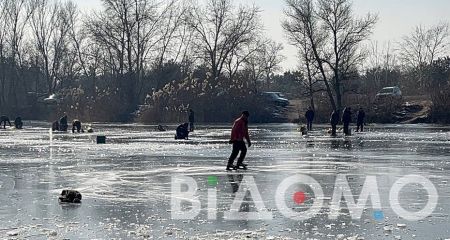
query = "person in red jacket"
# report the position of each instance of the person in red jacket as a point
(238, 134)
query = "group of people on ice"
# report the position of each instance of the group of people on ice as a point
(61, 125)
(239, 132)
(346, 119)
(18, 124)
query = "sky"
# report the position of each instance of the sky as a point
(396, 19)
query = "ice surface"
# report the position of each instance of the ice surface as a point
(126, 182)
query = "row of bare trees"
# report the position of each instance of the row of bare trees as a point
(407, 61)
(329, 37)
(335, 57)
(126, 49)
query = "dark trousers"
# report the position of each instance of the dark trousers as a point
(360, 125)
(4, 121)
(63, 127)
(333, 130)
(309, 125)
(238, 146)
(346, 128)
(191, 127)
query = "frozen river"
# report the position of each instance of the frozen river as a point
(126, 183)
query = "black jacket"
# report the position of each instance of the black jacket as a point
(334, 120)
(309, 115)
(361, 116)
(347, 116)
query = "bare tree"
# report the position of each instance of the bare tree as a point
(424, 45)
(51, 26)
(258, 59)
(129, 33)
(302, 25)
(334, 36)
(239, 57)
(308, 68)
(380, 63)
(16, 17)
(174, 35)
(2, 57)
(346, 33)
(222, 30)
(271, 55)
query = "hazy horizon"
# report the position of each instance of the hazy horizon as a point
(396, 19)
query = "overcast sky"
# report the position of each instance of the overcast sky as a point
(396, 18)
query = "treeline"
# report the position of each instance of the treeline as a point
(103, 65)
(153, 60)
(340, 66)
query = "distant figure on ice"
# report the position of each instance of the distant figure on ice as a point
(63, 126)
(334, 120)
(238, 134)
(360, 120)
(4, 120)
(309, 115)
(191, 120)
(18, 123)
(55, 126)
(182, 131)
(76, 125)
(346, 120)
(303, 130)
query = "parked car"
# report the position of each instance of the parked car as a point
(276, 98)
(51, 100)
(389, 93)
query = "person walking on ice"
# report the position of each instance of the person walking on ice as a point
(191, 120)
(238, 134)
(360, 120)
(346, 120)
(334, 120)
(309, 115)
(4, 120)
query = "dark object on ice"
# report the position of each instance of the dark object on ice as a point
(4, 120)
(70, 196)
(101, 139)
(309, 115)
(55, 126)
(334, 120)
(238, 134)
(182, 131)
(303, 130)
(161, 128)
(90, 130)
(346, 120)
(60, 125)
(191, 120)
(76, 125)
(360, 120)
(18, 123)
(63, 124)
